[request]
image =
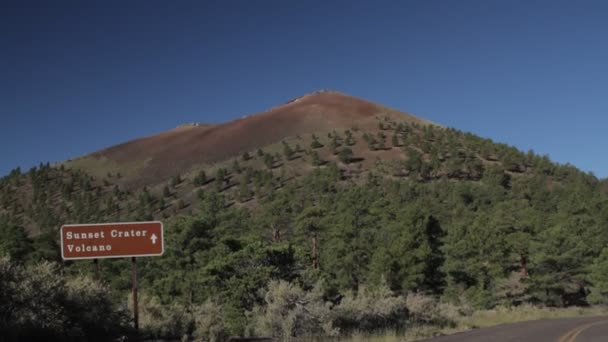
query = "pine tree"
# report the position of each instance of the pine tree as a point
(245, 157)
(287, 151)
(201, 178)
(315, 144)
(269, 160)
(345, 155)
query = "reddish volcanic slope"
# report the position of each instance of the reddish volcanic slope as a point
(162, 155)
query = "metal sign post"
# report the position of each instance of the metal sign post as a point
(134, 289)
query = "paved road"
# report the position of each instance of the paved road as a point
(581, 329)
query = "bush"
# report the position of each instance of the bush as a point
(37, 303)
(89, 304)
(174, 321)
(209, 324)
(291, 312)
(345, 155)
(426, 310)
(370, 310)
(161, 321)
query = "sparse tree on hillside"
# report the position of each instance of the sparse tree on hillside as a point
(166, 191)
(371, 142)
(269, 160)
(201, 178)
(220, 178)
(176, 180)
(316, 160)
(287, 151)
(395, 140)
(245, 192)
(346, 155)
(381, 141)
(335, 143)
(236, 167)
(350, 140)
(315, 142)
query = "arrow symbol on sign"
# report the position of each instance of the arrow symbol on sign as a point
(153, 238)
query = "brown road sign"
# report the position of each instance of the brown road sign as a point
(111, 240)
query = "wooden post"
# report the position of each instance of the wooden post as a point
(134, 283)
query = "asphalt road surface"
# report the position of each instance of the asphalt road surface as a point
(580, 329)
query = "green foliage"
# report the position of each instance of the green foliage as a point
(37, 301)
(14, 241)
(316, 160)
(349, 138)
(245, 192)
(201, 178)
(345, 155)
(269, 161)
(315, 144)
(371, 142)
(166, 191)
(465, 221)
(175, 180)
(598, 276)
(288, 152)
(335, 143)
(395, 140)
(236, 167)
(221, 178)
(370, 309)
(289, 311)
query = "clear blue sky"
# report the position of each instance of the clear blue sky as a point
(77, 76)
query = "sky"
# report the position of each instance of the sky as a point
(78, 76)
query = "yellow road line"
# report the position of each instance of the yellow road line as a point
(573, 334)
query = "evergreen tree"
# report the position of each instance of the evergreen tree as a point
(345, 155)
(287, 151)
(14, 241)
(269, 160)
(309, 222)
(201, 178)
(245, 157)
(315, 144)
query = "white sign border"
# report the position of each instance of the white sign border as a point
(162, 233)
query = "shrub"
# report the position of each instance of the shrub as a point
(345, 155)
(209, 324)
(175, 180)
(37, 302)
(201, 178)
(89, 303)
(370, 310)
(161, 321)
(291, 312)
(426, 310)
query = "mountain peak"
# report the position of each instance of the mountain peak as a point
(163, 155)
